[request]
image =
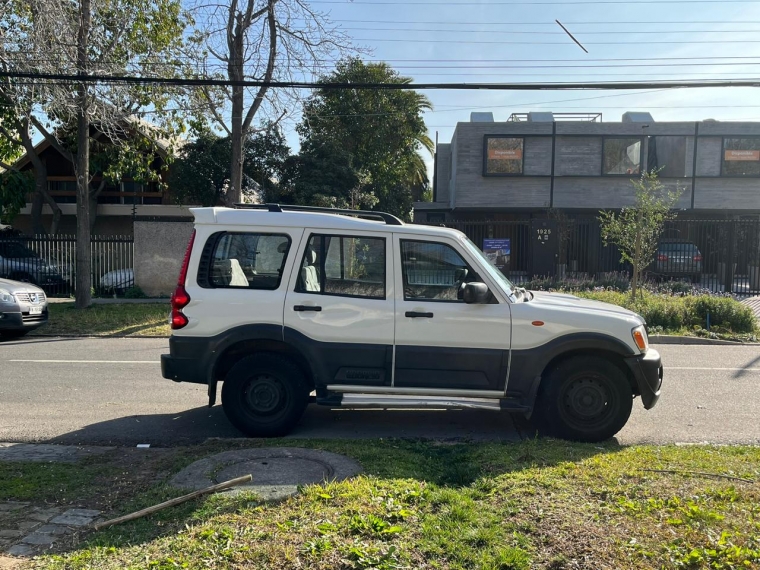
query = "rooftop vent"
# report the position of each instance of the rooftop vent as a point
(535, 117)
(637, 117)
(481, 117)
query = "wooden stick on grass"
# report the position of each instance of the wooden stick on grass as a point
(173, 502)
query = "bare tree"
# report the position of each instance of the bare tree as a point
(259, 40)
(88, 37)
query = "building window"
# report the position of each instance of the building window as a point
(503, 156)
(741, 157)
(621, 156)
(667, 155)
(63, 191)
(343, 266)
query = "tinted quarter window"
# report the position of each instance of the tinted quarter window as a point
(346, 266)
(432, 271)
(622, 156)
(741, 157)
(248, 260)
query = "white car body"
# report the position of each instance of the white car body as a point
(398, 346)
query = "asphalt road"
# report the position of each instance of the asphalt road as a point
(110, 391)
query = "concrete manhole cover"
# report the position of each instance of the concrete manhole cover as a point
(277, 472)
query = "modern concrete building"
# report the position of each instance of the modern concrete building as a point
(518, 169)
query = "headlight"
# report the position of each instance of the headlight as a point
(640, 338)
(6, 297)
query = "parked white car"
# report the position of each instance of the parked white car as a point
(23, 308)
(277, 301)
(118, 280)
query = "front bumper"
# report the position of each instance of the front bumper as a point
(18, 321)
(648, 372)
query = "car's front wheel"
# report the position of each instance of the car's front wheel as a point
(264, 395)
(584, 399)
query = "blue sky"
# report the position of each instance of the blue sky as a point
(469, 42)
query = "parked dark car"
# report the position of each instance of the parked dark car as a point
(678, 258)
(19, 263)
(23, 308)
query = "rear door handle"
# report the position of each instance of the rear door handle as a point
(415, 314)
(303, 308)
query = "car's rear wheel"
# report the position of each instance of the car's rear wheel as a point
(585, 399)
(264, 395)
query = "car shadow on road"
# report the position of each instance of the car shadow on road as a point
(196, 425)
(33, 340)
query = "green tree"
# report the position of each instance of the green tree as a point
(202, 174)
(636, 230)
(14, 185)
(382, 131)
(84, 37)
(324, 175)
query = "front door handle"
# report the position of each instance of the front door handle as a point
(303, 308)
(415, 314)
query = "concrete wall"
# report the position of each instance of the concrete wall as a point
(159, 249)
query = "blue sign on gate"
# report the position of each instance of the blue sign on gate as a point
(498, 252)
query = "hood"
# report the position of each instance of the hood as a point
(544, 298)
(19, 287)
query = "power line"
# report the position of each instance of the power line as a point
(660, 42)
(548, 23)
(78, 79)
(533, 33)
(536, 2)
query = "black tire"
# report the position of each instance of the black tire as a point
(583, 398)
(264, 395)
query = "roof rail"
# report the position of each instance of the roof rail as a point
(389, 219)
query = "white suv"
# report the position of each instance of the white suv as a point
(366, 311)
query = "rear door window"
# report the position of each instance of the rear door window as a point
(346, 266)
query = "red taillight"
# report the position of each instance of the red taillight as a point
(180, 298)
(697, 258)
(662, 257)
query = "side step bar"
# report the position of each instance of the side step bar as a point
(391, 401)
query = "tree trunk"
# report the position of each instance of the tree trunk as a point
(636, 258)
(235, 192)
(83, 277)
(235, 73)
(37, 227)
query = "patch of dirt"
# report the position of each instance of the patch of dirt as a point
(9, 563)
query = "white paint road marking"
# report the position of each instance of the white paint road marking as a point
(92, 361)
(159, 362)
(721, 369)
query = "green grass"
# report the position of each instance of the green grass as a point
(536, 504)
(672, 314)
(137, 319)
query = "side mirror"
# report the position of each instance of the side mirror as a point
(475, 293)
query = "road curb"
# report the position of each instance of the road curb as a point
(695, 340)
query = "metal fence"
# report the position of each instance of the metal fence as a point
(690, 250)
(50, 262)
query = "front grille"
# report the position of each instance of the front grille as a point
(30, 297)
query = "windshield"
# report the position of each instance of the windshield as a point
(495, 274)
